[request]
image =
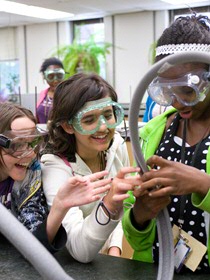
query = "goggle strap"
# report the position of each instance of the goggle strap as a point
(4, 141)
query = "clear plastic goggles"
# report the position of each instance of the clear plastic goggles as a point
(95, 113)
(21, 143)
(57, 74)
(187, 90)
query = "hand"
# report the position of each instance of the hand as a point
(174, 178)
(121, 184)
(147, 208)
(75, 192)
(82, 190)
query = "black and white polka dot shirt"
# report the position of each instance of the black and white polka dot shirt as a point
(194, 224)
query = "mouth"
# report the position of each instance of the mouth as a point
(102, 138)
(185, 114)
(22, 165)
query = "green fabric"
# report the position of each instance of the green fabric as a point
(142, 241)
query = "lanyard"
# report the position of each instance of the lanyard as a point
(184, 197)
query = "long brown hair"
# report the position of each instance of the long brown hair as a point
(70, 96)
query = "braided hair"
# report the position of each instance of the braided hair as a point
(186, 30)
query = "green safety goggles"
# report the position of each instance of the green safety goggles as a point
(95, 113)
(57, 74)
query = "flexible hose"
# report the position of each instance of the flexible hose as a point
(30, 247)
(166, 246)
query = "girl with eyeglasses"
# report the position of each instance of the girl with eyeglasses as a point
(21, 189)
(53, 73)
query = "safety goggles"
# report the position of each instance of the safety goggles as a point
(187, 90)
(95, 113)
(21, 143)
(57, 74)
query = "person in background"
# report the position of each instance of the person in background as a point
(176, 147)
(53, 73)
(83, 140)
(21, 189)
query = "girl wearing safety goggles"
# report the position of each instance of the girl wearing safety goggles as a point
(53, 73)
(83, 140)
(21, 182)
(179, 141)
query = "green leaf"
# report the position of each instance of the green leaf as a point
(82, 56)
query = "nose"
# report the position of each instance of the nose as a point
(102, 124)
(29, 154)
(176, 104)
(32, 154)
(55, 79)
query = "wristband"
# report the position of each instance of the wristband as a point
(109, 213)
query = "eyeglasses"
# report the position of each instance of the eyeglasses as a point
(57, 74)
(187, 90)
(21, 143)
(95, 113)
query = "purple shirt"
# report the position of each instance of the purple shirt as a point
(43, 110)
(5, 192)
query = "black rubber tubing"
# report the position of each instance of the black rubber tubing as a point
(166, 245)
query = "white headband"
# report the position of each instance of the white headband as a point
(171, 49)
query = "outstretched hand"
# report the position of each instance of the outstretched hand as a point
(79, 190)
(75, 192)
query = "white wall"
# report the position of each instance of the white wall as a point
(8, 47)
(131, 35)
(39, 45)
(160, 23)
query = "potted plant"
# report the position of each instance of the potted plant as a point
(83, 57)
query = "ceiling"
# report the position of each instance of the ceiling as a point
(84, 9)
